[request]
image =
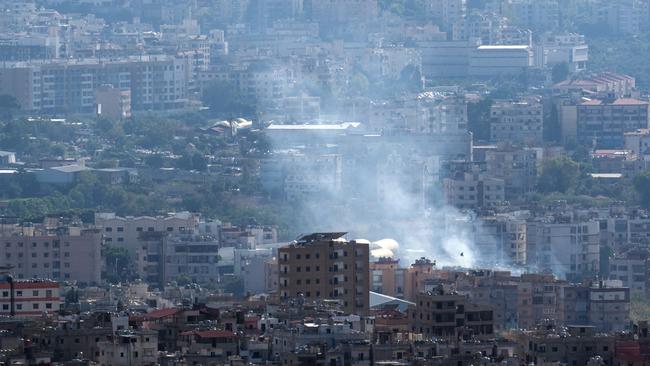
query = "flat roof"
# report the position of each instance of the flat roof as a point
(341, 126)
(503, 47)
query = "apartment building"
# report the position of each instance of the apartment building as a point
(516, 166)
(631, 268)
(69, 86)
(324, 265)
(539, 298)
(474, 191)
(71, 254)
(603, 123)
(30, 298)
(388, 278)
(568, 248)
(164, 258)
(450, 316)
(298, 175)
(124, 232)
(517, 121)
(503, 236)
(128, 347)
(609, 306)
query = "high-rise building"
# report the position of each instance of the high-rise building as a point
(326, 266)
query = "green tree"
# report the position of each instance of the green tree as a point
(642, 188)
(8, 106)
(559, 175)
(154, 161)
(119, 266)
(478, 118)
(225, 100)
(560, 72)
(359, 84)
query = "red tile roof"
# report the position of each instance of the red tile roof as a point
(21, 285)
(162, 313)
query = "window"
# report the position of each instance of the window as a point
(35, 293)
(48, 305)
(35, 306)
(5, 293)
(120, 229)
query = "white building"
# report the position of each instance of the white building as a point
(554, 49)
(491, 60)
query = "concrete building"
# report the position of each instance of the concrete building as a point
(129, 347)
(569, 249)
(301, 108)
(30, 298)
(323, 265)
(548, 344)
(451, 316)
(554, 49)
(64, 175)
(113, 103)
(73, 254)
(517, 121)
(605, 83)
(387, 277)
(488, 61)
(124, 232)
(603, 123)
(631, 268)
(638, 142)
(609, 306)
(516, 166)
(296, 176)
(178, 257)
(474, 191)
(68, 86)
(206, 347)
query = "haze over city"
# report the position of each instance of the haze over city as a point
(324, 182)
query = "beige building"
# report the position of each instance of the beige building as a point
(74, 255)
(124, 231)
(324, 265)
